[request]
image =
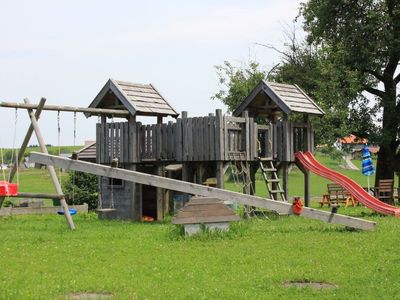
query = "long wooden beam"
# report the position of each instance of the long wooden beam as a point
(52, 171)
(86, 110)
(197, 189)
(38, 195)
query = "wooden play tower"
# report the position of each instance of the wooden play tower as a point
(198, 147)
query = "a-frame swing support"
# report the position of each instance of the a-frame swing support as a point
(197, 189)
(34, 127)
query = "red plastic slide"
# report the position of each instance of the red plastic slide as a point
(308, 161)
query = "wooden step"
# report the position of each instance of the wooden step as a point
(276, 191)
(272, 180)
(269, 170)
(264, 159)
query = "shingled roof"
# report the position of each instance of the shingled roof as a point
(138, 99)
(269, 97)
(87, 153)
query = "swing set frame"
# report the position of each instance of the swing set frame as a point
(34, 112)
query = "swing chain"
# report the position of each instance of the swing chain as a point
(73, 172)
(16, 162)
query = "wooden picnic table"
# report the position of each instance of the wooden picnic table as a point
(337, 194)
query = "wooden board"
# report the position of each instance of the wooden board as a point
(197, 189)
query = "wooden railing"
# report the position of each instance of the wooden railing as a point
(211, 138)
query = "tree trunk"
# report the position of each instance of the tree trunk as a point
(388, 145)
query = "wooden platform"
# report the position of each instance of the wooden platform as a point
(201, 210)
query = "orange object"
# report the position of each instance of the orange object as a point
(297, 206)
(147, 219)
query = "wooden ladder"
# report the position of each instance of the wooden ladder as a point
(270, 175)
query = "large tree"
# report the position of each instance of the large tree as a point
(363, 37)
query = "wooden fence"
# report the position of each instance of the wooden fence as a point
(211, 138)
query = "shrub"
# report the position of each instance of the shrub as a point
(82, 188)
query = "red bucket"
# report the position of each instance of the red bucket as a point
(8, 189)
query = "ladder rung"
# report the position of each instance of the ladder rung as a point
(272, 180)
(269, 170)
(264, 159)
(276, 191)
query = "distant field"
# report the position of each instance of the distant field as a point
(7, 153)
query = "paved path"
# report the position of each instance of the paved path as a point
(349, 163)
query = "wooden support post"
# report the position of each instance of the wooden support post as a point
(285, 178)
(197, 189)
(51, 169)
(186, 169)
(25, 143)
(136, 199)
(160, 195)
(307, 189)
(253, 171)
(307, 134)
(246, 133)
(306, 174)
(220, 174)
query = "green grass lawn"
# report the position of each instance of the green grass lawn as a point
(41, 259)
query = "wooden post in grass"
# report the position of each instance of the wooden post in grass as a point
(201, 190)
(51, 169)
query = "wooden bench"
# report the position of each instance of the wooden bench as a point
(337, 194)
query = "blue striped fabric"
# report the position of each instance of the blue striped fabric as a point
(367, 164)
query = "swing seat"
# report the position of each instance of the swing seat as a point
(105, 209)
(8, 189)
(72, 211)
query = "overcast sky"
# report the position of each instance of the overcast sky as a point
(66, 51)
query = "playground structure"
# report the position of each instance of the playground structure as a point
(203, 146)
(131, 158)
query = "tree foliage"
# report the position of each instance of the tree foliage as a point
(334, 88)
(237, 82)
(82, 188)
(362, 38)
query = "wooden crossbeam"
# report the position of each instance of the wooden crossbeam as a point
(37, 195)
(86, 110)
(197, 189)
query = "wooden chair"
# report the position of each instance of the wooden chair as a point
(384, 191)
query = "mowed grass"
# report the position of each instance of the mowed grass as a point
(41, 259)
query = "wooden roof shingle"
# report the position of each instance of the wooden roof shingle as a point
(137, 98)
(285, 97)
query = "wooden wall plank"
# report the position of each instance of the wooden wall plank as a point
(211, 129)
(206, 138)
(225, 153)
(178, 140)
(219, 138)
(190, 138)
